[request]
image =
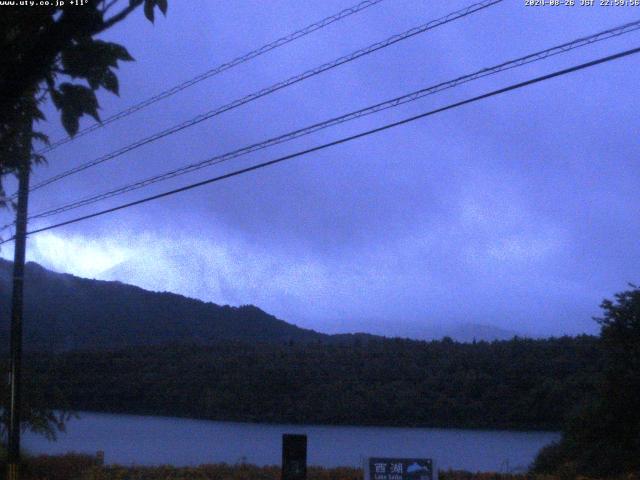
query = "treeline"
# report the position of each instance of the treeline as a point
(602, 438)
(517, 384)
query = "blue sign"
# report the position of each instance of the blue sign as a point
(401, 469)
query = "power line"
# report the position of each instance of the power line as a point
(216, 70)
(451, 106)
(273, 88)
(534, 57)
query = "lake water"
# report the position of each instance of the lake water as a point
(141, 440)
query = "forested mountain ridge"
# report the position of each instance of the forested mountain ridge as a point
(63, 312)
(118, 348)
(515, 384)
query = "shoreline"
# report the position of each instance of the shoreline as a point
(524, 430)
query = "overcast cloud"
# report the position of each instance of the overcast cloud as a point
(520, 211)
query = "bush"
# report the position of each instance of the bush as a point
(71, 466)
(603, 438)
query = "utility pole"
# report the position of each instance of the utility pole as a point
(16, 306)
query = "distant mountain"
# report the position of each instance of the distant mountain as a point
(468, 332)
(177, 270)
(64, 312)
(216, 285)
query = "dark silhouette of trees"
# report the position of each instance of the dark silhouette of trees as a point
(52, 52)
(516, 384)
(604, 437)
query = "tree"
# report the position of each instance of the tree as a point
(51, 52)
(42, 421)
(604, 437)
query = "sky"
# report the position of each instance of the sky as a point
(519, 211)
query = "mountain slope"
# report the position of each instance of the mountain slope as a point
(64, 312)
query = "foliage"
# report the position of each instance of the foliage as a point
(604, 437)
(35, 414)
(247, 365)
(71, 466)
(52, 51)
(521, 384)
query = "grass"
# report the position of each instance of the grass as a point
(85, 467)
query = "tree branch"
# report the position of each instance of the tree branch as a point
(119, 16)
(107, 6)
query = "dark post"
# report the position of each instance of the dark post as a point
(16, 316)
(294, 457)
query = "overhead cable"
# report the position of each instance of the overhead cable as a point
(215, 71)
(518, 62)
(476, 7)
(405, 121)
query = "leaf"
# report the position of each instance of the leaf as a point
(38, 159)
(56, 97)
(110, 82)
(36, 113)
(148, 9)
(75, 101)
(91, 58)
(162, 5)
(42, 137)
(70, 121)
(120, 52)
(80, 98)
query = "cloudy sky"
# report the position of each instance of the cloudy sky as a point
(520, 211)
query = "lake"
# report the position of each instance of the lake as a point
(146, 440)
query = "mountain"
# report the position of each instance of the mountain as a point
(64, 312)
(467, 332)
(181, 272)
